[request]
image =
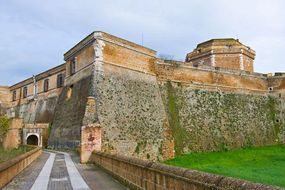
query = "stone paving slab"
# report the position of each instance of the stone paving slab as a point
(60, 171)
(77, 181)
(95, 177)
(25, 180)
(41, 183)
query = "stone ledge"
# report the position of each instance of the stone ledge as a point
(181, 176)
(11, 168)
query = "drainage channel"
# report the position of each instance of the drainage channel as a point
(59, 178)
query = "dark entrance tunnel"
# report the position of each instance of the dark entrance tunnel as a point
(33, 140)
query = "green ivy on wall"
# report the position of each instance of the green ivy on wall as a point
(204, 120)
(4, 126)
(272, 105)
(180, 134)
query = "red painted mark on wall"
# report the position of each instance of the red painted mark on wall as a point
(92, 142)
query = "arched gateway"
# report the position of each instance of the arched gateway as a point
(33, 139)
(32, 136)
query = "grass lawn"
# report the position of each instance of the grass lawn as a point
(263, 164)
(8, 154)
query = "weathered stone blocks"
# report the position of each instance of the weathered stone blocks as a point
(203, 120)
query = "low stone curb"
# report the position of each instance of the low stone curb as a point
(159, 176)
(9, 169)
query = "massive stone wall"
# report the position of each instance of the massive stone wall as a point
(38, 111)
(132, 115)
(70, 108)
(204, 120)
(129, 105)
(145, 107)
(33, 114)
(69, 114)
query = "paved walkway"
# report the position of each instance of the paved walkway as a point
(60, 171)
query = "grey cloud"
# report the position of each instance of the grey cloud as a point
(35, 34)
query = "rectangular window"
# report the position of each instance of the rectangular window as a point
(60, 80)
(25, 92)
(72, 66)
(14, 96)
(46, 85)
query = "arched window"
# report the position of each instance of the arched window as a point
(46, 85)
(60, 80)
(25, 92)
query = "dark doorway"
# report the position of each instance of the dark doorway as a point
(33, 140)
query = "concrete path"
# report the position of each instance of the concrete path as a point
(76, 180)
(43, 178)
(60, 171)
(95, 177)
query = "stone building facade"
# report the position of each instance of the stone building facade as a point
(118, 97)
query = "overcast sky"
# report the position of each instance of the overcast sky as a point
(34, 34)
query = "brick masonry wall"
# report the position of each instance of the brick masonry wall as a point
(222, 79)
(228, 61)
(277, 83)
(13, 137)
(140, 174)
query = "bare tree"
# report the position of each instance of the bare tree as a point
(166, 56)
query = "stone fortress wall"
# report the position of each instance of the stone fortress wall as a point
(151, 108)
(33, 111)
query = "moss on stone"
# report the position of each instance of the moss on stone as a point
(141, 146)
(204, 120)
(4, 126)
(272, 106)
(180, 134)
(49, 128)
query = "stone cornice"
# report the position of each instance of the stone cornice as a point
(109, 38)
